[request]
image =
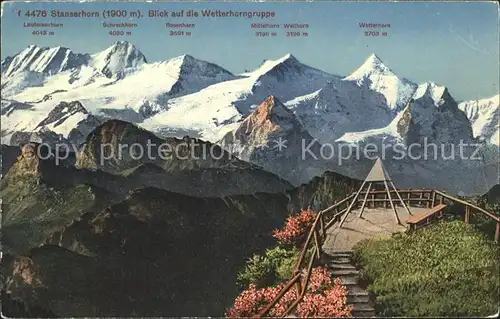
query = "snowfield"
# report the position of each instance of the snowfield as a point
(484, 116)
(57, 93)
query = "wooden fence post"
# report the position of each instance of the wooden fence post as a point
(497, 232)
(467, 214)
(322, 225)
(433, 203)
(298, 285)
(317, 243)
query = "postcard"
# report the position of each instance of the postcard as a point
(250, 159)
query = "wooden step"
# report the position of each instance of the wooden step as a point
(345, 272)
(355, 291)
(363, 307)
(360, 298)
(363, 310)
(363, 314)
(340, 260)
(342, 256)
(334, 266)
(348, 280)
(341, 266)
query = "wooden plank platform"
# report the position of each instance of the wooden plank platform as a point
(375, 221)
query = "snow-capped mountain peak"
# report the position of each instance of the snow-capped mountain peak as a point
(431, 89)
(121, 55)
(434, 115)
(284, 78)
(372, 65)
(484, 116)
(288, 58)
(230, 101)
(286, 62)
(377, 76)
(183, 59)
(43, 60)
(340, 107)
(188, 58)
(271, 136)
(187, 65)
(272, 115)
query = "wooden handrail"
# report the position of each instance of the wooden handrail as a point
(458, 200)
(348, 198)
(298, 265)
(383, 191)
(304, 289)
(313, 226)
(281, 294)
(306, 244)
(296, 277)
(379, 200)
(332, 221)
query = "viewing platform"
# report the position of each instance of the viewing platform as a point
(378, 208)
(374, 222)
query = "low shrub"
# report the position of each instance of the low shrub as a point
(274, 267)
(448, 269)
(324, 298)
(296, 228)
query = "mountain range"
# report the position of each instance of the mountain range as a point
(138, 238)
(55, 95)
(90, 234)
(143, 238)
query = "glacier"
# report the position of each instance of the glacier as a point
(57, 94)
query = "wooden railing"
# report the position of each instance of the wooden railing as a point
(312, 245)
(430, 198)
(419, 197)
(471, 209)
(329, 216)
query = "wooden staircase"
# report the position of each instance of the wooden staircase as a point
(341, 266)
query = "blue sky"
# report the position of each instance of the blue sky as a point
(454, 44)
